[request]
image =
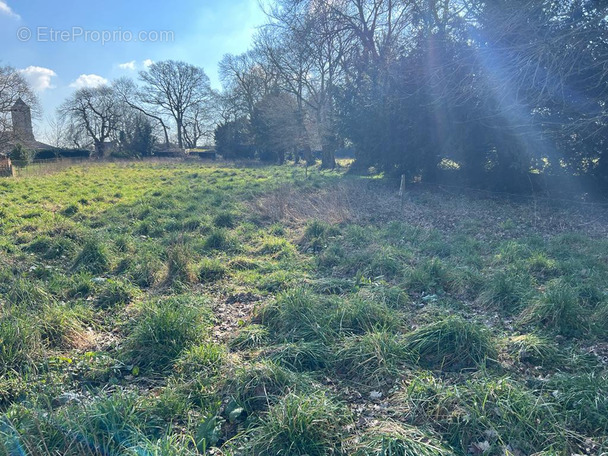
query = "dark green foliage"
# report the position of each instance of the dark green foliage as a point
(21, 156)
(451, 344)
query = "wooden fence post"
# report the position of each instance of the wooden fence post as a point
(402, 190)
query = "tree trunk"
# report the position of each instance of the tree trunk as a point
(328, 158)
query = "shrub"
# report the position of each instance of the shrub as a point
(301, 425)
(93, 258)
(20, 155)
(451, 344)
(164, 329)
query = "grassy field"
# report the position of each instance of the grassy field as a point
(178, 309)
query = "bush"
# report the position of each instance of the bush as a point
(451, 344)
(301, 425)
(20, 155)
(164, 329)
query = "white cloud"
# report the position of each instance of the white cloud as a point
(40, 78)
(127, 65)
(148, 62)
(6, 10)
(89, 80)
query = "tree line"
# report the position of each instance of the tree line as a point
(507, 95)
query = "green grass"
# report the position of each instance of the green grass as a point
(301, 425)
(166, 309)
(452, 344)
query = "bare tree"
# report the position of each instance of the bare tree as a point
(95, 111)
(132, 96)
(177, 89)
(247, 80)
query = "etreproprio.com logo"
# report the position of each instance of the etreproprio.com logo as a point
(80, 34)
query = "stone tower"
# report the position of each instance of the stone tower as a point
(22, 121)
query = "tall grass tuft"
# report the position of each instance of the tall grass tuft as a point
(558, 309)
(164, 329)
(390, 438)
(93, 258)
(301, 425)
(372, 358)
(451, 344)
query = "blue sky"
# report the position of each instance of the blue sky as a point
(58, 43)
